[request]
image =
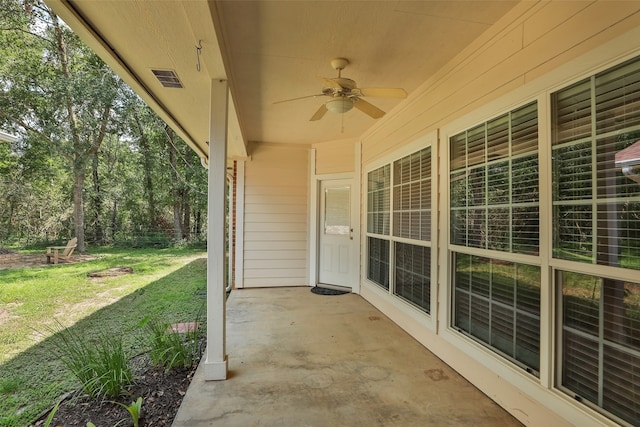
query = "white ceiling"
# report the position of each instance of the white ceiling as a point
(275, 50)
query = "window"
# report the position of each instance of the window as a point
(378, 222)
(494, 205)
(596, 220)
(494, 197)
(596, 194)
(498, 304)
(600, 342)
(405, 199)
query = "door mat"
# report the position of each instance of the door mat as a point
(326, 291)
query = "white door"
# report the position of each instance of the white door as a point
(335, 236)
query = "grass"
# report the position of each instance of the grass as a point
(167, 284)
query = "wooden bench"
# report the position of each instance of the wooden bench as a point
(67, 251)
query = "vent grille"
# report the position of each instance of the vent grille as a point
(167, 78)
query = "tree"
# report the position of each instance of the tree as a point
(53, 88)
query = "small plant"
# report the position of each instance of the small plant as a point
(135, 410)
(171, 349)
(49, 419)
(102, 368)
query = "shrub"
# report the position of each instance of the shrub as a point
(172, 350)
(102, 368)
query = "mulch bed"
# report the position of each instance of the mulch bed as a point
(162, 393)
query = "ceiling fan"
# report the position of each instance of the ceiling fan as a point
(344, 94)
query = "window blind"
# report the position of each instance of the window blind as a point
(498, 304)
(412, 196)
(379, 200)
(494, 191)
(596, 205)
(601, 342)
(413, 274)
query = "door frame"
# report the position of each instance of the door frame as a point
(314, 217)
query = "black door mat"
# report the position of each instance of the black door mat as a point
(326, 291)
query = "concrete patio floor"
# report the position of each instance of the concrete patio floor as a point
(300, 359)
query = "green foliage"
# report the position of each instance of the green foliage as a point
(135, 410)
(170, 349)
(166, 284)
(82, 131)
(102, 366)
(49, 419)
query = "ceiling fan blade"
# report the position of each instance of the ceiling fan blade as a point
(369, 109)
(319, 114)
(300, 97)
(330, 83)
(383, 92)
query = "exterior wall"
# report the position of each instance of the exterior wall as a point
(334, 157)
(531, 40)
(536, 48)
(275, 216)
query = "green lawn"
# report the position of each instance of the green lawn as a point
(168, 284)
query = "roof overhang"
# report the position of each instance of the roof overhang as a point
(112, 29)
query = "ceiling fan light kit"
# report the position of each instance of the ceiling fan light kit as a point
(344, 94)
(339, 104)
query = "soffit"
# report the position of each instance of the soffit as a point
(275, 50)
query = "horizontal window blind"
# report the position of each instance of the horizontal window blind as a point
(494, 190)
(601, 342)
(412, 196)
(401, 192)
(597, 202)
(378, 261)
(379, 200)
(413, 274)
(498, 304)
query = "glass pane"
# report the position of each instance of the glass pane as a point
(412, 195)
(525, 129)
(337, 212)
(378, 266)
(498, 303)
(572, 113)
(573, 233)
(601, 341)
(572, 172)
(412, 276)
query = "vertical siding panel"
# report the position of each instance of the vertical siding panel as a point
(276, 187)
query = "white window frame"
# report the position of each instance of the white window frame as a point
(543, 388)
(426, 319)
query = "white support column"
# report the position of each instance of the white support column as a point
(215, 364)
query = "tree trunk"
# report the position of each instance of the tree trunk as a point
(186, 215)
(98, 233)
(114, 220)
(177, 213)
(148, 175)
(78, 207)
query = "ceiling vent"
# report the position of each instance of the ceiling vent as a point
(167, 78)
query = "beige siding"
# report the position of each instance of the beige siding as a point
(275, 216)
(526, 49)
(335, 157)
(533, 39)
